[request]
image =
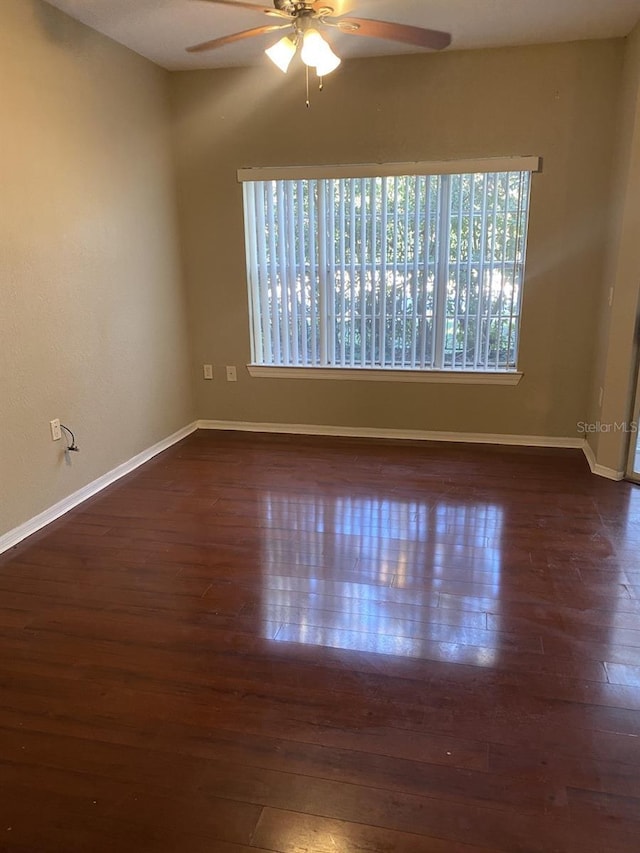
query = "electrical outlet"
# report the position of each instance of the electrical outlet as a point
(207, 371)
(56, 432)
(231, 374)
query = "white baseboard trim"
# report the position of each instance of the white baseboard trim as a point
(8, 540)
(600, 470)
(398, 434)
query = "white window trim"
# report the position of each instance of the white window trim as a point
(389, 170)
(387, 374)
(506, 377)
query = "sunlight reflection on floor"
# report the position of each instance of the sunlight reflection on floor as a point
(365, 574)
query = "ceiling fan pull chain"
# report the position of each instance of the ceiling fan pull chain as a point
(307, 78)
(321, 84)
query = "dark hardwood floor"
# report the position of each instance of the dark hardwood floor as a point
(307, 645)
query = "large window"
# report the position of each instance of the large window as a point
(413, 272)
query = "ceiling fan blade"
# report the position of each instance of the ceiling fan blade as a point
(246, 34)
(433, 39)
(252, 7)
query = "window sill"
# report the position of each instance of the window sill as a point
(377, 374)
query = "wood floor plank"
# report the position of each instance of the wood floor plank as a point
(292, 832)
(627, 674)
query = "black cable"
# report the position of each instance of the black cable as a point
(73, 445)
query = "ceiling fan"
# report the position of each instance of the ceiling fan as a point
(305, 19)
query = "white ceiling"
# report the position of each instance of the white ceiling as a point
(161, 29)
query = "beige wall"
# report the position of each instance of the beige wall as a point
(92, 309)
(555, 101)
(614, 371)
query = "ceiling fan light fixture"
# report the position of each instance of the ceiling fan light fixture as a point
(313, 48)
(282, 53)
(328, 62)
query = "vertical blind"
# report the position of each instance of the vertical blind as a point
(414, 272)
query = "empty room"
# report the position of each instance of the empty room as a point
(319, 474)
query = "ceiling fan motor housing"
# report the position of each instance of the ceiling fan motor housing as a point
(292, 7)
